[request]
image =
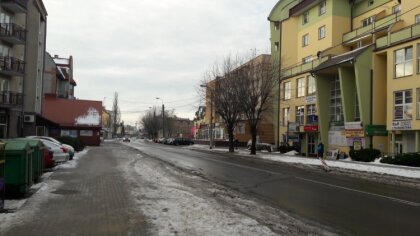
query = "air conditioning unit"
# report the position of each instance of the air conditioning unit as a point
(29, 118)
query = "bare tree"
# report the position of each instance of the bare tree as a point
(151, 123)
(223, 94)
(116, 115)
(258, 83)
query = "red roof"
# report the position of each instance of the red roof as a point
(73, 113)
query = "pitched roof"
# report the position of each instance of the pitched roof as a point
(71, 112)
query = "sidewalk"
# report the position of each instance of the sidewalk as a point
(373, 167)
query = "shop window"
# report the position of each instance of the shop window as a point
(87, 133)
(285, 116)
(403, 65)
(418, 104)
(403, 105)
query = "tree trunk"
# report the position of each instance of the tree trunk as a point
(231, 144)
(254, 140)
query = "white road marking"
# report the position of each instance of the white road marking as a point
(363, 192)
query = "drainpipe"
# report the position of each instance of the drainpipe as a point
(351, 15)
(371, 105)
(24, 77)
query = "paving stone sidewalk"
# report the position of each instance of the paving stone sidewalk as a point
(94, 199)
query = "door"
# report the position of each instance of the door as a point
(311, 144)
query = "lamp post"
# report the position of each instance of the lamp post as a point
(163, 117)
(211, 116)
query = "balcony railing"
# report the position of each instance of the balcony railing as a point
(11, 98)
(12, 33)
(15, 6)
(303, 67)
(375, 26)
(399, 36)
(11, 66)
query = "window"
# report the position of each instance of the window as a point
(321, 32)
(300, 87)
(418, 103)
(307, 59)
(336, 108)
(300, 115)
(417, 19)
(403, 102)
(287, 90)
(396, 9)
(305, 17)
(356, 108)
(87, 133)
(418, 58)
(367, 21)
(311, 117)
(276, 46)
(403, 62)
(311, 86)
(276, 26)
(305, 40)
(322, 8)
(370, 3)
(285, 116)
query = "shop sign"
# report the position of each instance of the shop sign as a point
(293, 137)
(337, 138)
(376, 130)
(401, 125)
(293, 126)
(355, 133)
(310, 128)
(356, 143)
(313, 119)
(310, 99)
(357, 125)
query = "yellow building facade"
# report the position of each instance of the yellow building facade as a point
(337, 63)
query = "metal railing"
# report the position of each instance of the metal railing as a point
(302, 67)
(398, 36)
(11, 98)
(376, 25)
(12, 30)
(21, 3)
(11, 65)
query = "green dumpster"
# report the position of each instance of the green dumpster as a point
(37, 157)
(18, 167)
(2, 183)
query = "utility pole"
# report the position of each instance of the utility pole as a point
(211, 120)
(163, 120)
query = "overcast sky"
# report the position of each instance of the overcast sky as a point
(145, 49)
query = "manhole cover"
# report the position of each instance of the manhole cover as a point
(65, 191)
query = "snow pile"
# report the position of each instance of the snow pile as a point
(72, 163)
(92, 117)
(175, 208)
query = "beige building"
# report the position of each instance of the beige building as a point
(22, 42)
(334, 57)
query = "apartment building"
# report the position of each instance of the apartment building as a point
(58, 76)
(333, 85)
(22, 42)
(242, 131)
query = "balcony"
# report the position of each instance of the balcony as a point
(302, 68)
(12, 66)
(11, 98)
(402, 35)
(12, 33)
(15, 6)
(376, 26)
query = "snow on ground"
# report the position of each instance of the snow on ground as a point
(291, 157)
(20, 210)
(178, 203)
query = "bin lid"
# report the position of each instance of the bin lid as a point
(17, 145)
(32, 142)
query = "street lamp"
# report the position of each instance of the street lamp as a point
(163, 116)
(211, 115)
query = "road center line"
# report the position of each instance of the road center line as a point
(363, 192)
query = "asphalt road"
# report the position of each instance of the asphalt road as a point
(348, 205)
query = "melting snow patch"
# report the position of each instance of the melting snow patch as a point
(91, 117)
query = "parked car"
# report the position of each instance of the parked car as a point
(126, 139)
(182, 141)
(68, 147)
(59, 152)
(259, 146)
(48, 159)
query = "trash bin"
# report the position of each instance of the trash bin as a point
(37, 157)
(2, 183)
(18, 167)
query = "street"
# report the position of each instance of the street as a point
(144, 188)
